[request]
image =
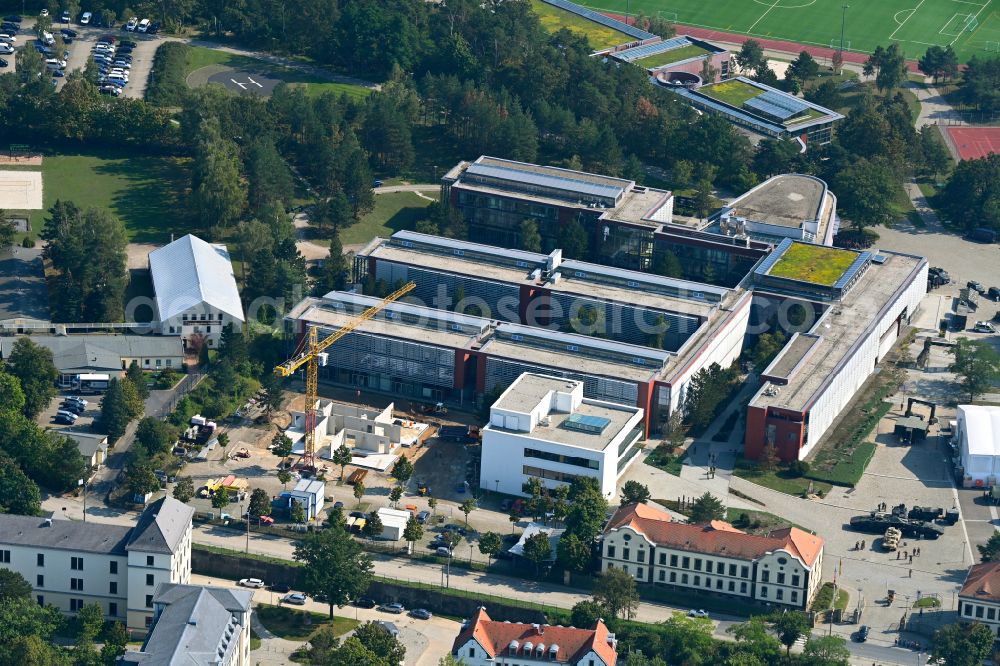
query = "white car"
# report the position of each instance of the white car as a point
(132, 23)
(8, 38)
(44, 12)
(984, 327)
(6, 49)
(143, 25)
(55, 62)
(252, 582)
(48, 38)
(85, 19)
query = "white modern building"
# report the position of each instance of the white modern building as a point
(393, 523)
(979, 599)
(487, 642)
(196, 293)
(71, 564)
(543, 427)
(310, 493)
(783, 568)
(195, 625)
(978, 437)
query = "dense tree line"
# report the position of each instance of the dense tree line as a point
(87, 249)
(971, 196)
(29, 455)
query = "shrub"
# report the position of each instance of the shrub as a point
(167, 86)
(28, 242)
(799, 467)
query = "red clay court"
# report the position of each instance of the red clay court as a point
(975, 142)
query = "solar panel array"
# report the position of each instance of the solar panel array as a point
(646, 50)
(597, 17)
(859, 264)
(546, 181)
(586, 423)
(776, 105)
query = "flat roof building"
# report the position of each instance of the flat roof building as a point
(542, 427)
(495, 196)
(977, 434)
(761, 109)
(864, 301)
(793, 206)
(680, 60)
(641, 337)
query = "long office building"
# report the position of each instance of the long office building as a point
(426, 351)
(863, 301)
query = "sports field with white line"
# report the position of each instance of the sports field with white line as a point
(20, 190)
(970, 26)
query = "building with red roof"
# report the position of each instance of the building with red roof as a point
(979, 599)
(484, 642)
(783, 567)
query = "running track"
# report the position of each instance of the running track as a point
(975, 142)
(771, 44)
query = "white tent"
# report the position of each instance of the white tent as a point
(393, 523)
(978, 438)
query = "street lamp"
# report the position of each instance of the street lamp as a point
(497, 488)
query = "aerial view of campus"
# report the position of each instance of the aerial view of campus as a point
(500, 333)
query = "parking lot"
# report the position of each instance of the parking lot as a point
(85, 420)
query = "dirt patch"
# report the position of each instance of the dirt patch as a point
(28, 160)
(138, 255)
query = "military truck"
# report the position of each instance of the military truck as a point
(877, 522)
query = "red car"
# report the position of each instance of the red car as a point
(266, 520)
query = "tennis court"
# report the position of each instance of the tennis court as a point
(975, 142)
(971, 27)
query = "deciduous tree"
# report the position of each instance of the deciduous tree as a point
(34, 368)
(537, 549)
(962, 644)
(615, 590)
(977, 364)
(490, 544)
(334, 566)
(184, 489)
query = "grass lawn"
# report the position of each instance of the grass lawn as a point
(600, 37)
(757, 522)
(671, 56)
(813, 263)
(669, 463)
(254, 640)
(915, 25)
(393, 212)
(927, 602)
(199, 56)
(294, 624)
(781, 480)
(143, 190)
(733, 92)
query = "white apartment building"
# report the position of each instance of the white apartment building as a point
(979, 599)
(543, 427)
(196, 293)
(195, 625)
(783, 568)
(486, 642)
(71, 564)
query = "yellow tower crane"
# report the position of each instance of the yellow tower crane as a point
(311, 353)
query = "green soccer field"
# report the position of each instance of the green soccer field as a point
(972, 27)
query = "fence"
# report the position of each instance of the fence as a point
(185, 386)
(970, 118)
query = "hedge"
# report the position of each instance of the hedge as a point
(167, 85)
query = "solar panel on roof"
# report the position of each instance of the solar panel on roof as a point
(783, 101)
(543, 180)
(859, 263)
(646, 50)
(763, 106)
(586, 423)
(602, 19)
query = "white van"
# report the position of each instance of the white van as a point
(48, 39)
(143, 25)
(132, 22)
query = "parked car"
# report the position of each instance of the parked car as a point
(296, 599)
(338, 505)
(443, 551)
(132, 24)
(984, 327)
(65, 16)
(364, 602)
(63, 420)
(6, 49)
(143, 25)
(862, 634)
(7, 37)
(77, 399)
(4, 63)
(69, 33)
(56, 72)
(44, 12)
(85, 18)
(423, 516)
(455, 527)
(993, 293)
(12, 18)
(697, 613)
(266, 520)
(395, 608)
(421, 614)
(281, 587)
(154, 28)
(251, 582)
